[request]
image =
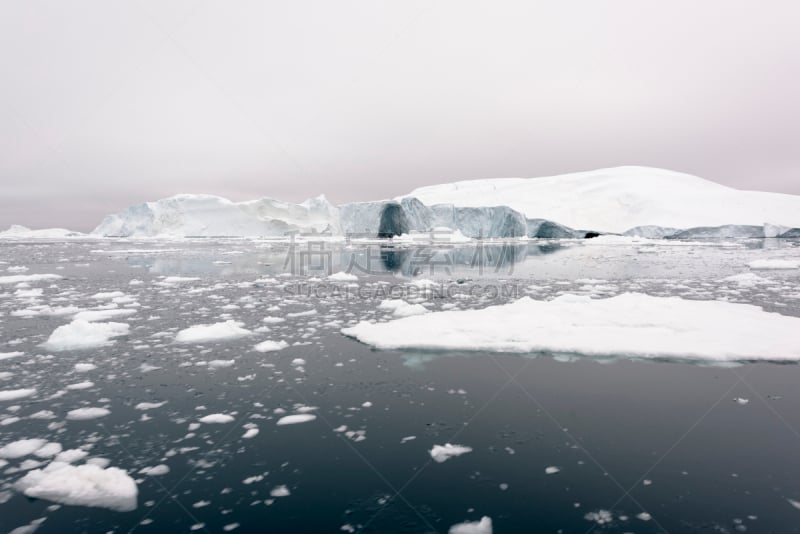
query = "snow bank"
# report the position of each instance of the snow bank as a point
(442, 453)
(82, 334)
(630, 324)
(484, 526)
(84, 485)
(212, 332)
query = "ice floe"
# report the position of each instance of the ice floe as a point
(442, 453)
(631, 324)
(204, 333)
(81, 334)
(296, 419)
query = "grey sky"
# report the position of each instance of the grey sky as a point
(108, 103)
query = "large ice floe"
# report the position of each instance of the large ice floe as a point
(82, 485)
(630, 324)
(642, 201)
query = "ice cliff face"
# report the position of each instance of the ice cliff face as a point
(208, 215)
(639, 201)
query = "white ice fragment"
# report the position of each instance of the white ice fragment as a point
(216, 418)
(212, 332)
(83, 414)
(82, 334)
(442, 453)
(270, 346)
(296, 418)
(484, 526)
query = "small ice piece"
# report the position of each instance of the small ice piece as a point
(280, 491)
(741, 401)
(158, 470)
(551, 470)
(49, 450)
(83, 414)
(20, 278)
(777, 264)
(298, 362)
(71, 456)
(342, 276)
(82, 334)
(273, 320)
(250, 433)
(216, 418)
(22, 447)
(407, 439)
(270, 346)
(366, 404)
(601, 517)
(84, 485)
(94, 316)
(9, 355)
(149, 405)
(442, 453)
(14, 394)
(84, 367)
(644, 516)
(484, 526)
(230, 526)
(296, 418)
(81, 385)
(204, 333)
(219, 364)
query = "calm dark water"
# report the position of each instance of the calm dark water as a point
(661, 437)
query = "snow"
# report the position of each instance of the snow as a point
(630, 324)
(484, 526)
(296, 419)
(81, 334)
(84, 485)
(217, 418)
(14, 394)
(83, 414)
(212, 332)
(442, 453)
(774, 264)
(621, 198)
(270, 346)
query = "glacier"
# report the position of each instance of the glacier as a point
(632, 201)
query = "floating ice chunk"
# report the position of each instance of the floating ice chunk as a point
(601, 517)
(48, 450)
(366, 404)
(212, 332)
(644, 516)
(179, 279)
(741, 401)
(158, 470)
(747, 279)
(484, 526)
(551, 470)
(14, 394)
(296, 418)
(83, 414)
(270, 346)
(149, 405)
(442, 453)
(102, 315)
(342, 276)
(628, 324)
(107, 295)
(9, 355)
(84, 485)
(401, 308)
(22, 447)
(250, 433)
(82, 334)
(84, 367)
(70, 456)
(217, 418)
(774, 264)
(18, 278)
(280, 491)
(30, 528)
(273, 320)
(81, 385)
(219, 364)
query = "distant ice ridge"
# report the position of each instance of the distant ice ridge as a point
(638, 201)
(15, 231)
(631, 324)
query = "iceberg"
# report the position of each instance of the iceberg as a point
(636, 201)
(16, 231)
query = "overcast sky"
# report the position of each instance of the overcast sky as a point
(109, 103)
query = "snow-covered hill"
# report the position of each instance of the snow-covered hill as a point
(621, 198)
